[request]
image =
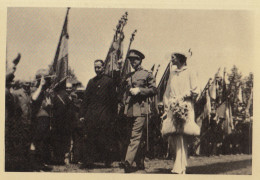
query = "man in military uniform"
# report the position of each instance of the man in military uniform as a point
(141, 85)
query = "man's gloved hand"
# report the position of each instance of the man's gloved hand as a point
(135, 91)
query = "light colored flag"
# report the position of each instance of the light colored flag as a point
(60, 63)
(250, 101)
(240, 96)
(207, 107)
(212, 89)
(229, 126)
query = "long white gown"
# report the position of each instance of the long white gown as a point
(181, 83)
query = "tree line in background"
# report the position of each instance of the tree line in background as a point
(240, 91)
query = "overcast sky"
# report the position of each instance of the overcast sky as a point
(218, 38)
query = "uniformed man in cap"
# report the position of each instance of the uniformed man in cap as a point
(141, 86)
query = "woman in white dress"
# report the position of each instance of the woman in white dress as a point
(181, 87)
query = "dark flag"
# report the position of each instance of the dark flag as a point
(127, 67)
(224, 86)
(116, 49)
(125, 71)
(224, 112)
(154, 103)
(152, 69)
(155, 75)
(163, 84)
(60, 64)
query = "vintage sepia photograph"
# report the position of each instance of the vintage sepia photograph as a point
(129, 90)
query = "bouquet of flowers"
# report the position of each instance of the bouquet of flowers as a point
(180, 113)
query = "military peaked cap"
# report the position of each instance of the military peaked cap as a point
(135, 54)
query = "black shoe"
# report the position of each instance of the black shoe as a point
(121, 165)
(140, 166)
(46, 168)
(128, 168)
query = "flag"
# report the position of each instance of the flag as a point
(212, 90)
(127, 67)
(60, 64)
(163, 84)
(228, 119)
(123, 90)
(224, 88)
(116, 49)
(240, 96)
(152, 69)
(157, 71)
(250, 101)
(115, 53)
(224, 111)
(207, 106)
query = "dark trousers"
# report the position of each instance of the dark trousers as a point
(136, 148)
(78, 141)
(42, 139)
(60, 140)
(98, 143)
(17, 147)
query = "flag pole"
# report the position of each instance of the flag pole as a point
(157, 71)
(147, 126)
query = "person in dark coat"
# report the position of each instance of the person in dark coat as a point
(76, 153)
(61, 124)
(21, 129)
(41, 106)
(13, 113)
(98, 112)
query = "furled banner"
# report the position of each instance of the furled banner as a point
(60, 64)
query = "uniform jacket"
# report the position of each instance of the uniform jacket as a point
(24, 102)
(138, 105)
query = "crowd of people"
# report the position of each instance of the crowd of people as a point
(56, 125)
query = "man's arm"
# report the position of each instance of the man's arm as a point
(150, 90)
